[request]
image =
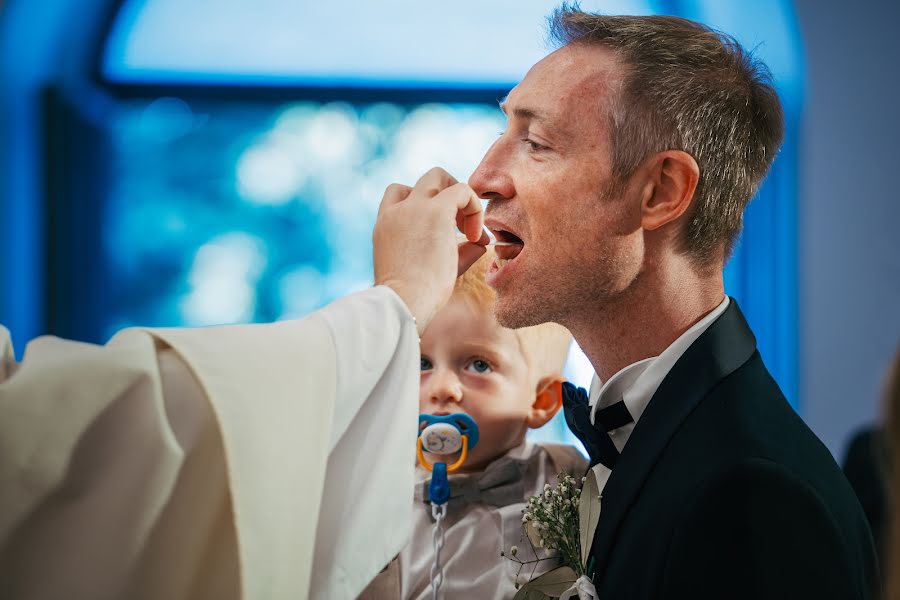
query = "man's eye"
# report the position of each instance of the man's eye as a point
(425, 364)
(479, 366)
(534, 146)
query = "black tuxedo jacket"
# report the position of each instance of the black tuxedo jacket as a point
(723, 492)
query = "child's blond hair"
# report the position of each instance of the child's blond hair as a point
(545, 347)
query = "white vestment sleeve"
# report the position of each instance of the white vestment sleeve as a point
(89, 465)
(366, 516)
(192, 463)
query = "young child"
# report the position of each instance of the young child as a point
(506, 381)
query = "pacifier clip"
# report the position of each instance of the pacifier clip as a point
(442, 435)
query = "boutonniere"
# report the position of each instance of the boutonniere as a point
(561, 521)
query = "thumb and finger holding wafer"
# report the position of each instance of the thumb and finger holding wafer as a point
(416, 249)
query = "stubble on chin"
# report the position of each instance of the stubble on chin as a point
(509, 313)
(515, 310)
(566, 295)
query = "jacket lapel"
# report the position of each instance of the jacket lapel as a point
(721, 349)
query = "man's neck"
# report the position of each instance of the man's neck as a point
(644, 320)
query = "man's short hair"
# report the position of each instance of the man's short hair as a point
(686, 87)
(544, 347)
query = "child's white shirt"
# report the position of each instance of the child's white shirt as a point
(475, 533)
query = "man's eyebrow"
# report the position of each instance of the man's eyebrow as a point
(524, 112)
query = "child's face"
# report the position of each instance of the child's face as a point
(471, 364)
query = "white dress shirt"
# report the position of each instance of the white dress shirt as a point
(636, 384)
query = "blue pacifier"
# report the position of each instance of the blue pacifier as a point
(446, 434)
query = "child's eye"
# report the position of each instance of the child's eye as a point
(425, 364)
(479, 366)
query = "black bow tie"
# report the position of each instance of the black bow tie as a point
(594, 435)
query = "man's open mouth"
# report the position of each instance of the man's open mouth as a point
(508, 246)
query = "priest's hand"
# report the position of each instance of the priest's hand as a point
(415, 241)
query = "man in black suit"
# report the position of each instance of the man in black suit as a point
(619, 187)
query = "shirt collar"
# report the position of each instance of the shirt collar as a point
(636, 383)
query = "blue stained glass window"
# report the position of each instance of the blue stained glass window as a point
(233, 213)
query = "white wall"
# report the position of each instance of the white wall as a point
(849, 212)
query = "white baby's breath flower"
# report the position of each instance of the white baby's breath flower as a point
(550, 520)
(514, 550)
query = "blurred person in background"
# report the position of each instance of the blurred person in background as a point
(892, 441)
(866, 466)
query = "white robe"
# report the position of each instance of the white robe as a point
(210, 463)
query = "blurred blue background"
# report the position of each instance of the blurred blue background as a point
(194, 162)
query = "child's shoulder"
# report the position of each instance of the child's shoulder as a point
(564, 458)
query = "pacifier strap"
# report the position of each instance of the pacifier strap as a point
(438, 511)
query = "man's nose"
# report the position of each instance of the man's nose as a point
(444, 386)
(491, 179)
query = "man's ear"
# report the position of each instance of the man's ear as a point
(671, 180)
(547, 401)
